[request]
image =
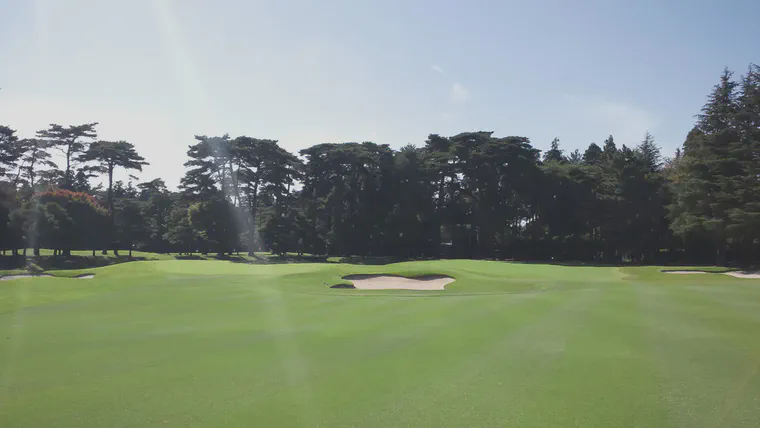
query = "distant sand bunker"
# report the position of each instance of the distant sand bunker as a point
(745, 275)
(394, 282)
(10, 277)
(44, 275)
(684, 272)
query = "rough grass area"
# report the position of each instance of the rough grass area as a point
(184, 343)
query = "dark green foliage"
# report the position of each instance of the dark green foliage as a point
(213, 221)
(34, 163)
(346, 197)
(180, 235)
(282, 233)
(715, 180)
(10, 150)
(63, 220)
(109, 155)
(156, 204)
(592, 155)
(70, 141)
(575, 157)
(554, 154)
(470, 195)
(130, 225)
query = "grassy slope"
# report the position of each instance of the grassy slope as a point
(208, 343)
(82, 261)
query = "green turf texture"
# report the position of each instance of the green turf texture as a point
(222, 344)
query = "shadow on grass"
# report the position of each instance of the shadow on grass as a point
(190, 257)
(275, 259)
(370, 261)
(43, 263)
(702, 270)
(717, 269)
(571, 263)
(345, 286)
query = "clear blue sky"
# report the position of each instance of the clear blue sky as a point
(156, 72)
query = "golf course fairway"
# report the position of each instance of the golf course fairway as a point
(221, 344)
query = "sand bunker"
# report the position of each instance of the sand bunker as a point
(745, 275)
(395, 282)
(44, 275)
(9, 277)
(736, 274)
(684, 272)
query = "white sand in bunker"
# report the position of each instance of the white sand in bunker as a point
(44, 275)
(10, 277)
(394, 282)
(745, 275)
(684, 272)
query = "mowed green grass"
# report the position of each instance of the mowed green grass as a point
(220, 344)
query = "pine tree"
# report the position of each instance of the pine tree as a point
(592, 155)
(706, 183)
(649, 153)
(609, 149)
(554, 154)
(10, 150)
(70, 141)
(575, 157)
(744, 215)
(108, 156)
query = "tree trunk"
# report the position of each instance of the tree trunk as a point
(109, 233)
(67, 252)
(253, 207)
(720, 254)
(36, 251)
(130, 252)
(440, 191)
(93, 252)
(234, 178)
(66, 183)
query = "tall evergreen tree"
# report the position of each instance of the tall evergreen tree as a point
(706, 183)
(592, 155)
(554, 154)
(71, 141)
(10, 150)
(109, 155)
(35, 161)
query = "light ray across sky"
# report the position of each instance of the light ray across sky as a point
(158, 72)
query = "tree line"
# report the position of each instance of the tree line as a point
(471, 195)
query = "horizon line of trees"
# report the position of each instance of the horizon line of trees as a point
(471, 195)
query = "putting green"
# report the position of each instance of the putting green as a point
(211, 343)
